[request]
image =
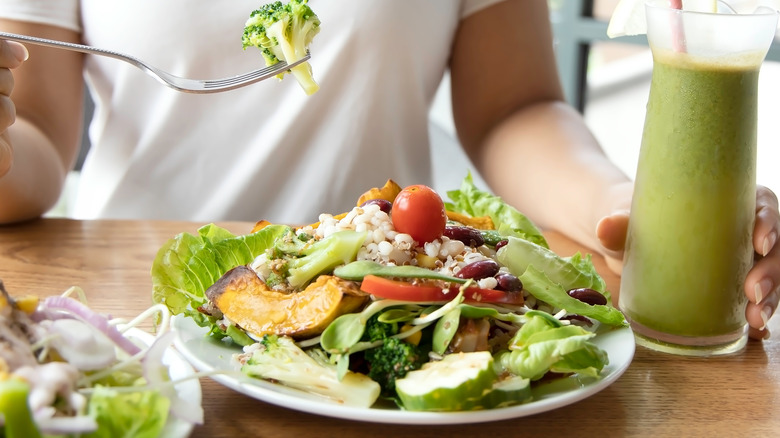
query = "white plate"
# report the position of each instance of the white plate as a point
(178, 368)
(209, 355)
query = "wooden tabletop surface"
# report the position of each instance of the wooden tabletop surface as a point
(659, 395)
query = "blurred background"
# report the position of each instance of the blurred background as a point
(607, 80)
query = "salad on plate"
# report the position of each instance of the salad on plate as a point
(432, 305)
(66, 370)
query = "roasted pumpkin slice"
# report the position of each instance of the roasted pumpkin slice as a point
(249, 303)
(259, 225)
(478, 222)
(389, 191)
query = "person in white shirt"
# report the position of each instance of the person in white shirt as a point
(269, 151)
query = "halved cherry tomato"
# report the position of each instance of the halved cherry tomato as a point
(402, 290)
(419, 212)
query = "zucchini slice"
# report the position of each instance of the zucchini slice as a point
(451, 384)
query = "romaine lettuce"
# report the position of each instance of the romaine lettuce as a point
(542, 345)
(187, 265)
(508, 221)
(548, 276)
(141, 414)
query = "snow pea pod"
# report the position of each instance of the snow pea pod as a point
(355, 271)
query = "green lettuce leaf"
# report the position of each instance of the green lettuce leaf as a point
(140, 414)
(188, 264)
(542, 345)
(568, 272)
(507, 220)
(540, 286)
(548, 277)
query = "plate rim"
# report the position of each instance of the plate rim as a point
(289, 398)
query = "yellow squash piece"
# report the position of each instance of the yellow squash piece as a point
(259, 225)
(249, 303)
(27, 303)
(479, 222)
(388, 192)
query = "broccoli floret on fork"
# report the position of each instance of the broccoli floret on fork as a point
(283, 32)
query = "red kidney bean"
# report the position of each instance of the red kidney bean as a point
(479, 270)
(501, 244)
(579, 319)
(383, 204)
(508, 282)
(469, 236)
(588, 296)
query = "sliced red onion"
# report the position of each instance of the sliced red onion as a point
(97, 320)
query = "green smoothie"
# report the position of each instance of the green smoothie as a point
(689, 240)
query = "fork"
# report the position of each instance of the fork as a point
(185, 85)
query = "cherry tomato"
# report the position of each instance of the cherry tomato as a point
(419, 212)
(432, 292)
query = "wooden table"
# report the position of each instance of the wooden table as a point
(659, 395)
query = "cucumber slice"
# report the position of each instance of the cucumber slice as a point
(507, 392)
(451, 384)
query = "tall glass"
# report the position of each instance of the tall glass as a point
(689, 243)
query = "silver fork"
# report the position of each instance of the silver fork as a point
(185, 85)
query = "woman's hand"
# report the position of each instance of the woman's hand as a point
(761, 283)
(12, 54)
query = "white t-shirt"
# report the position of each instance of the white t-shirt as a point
(266, 151)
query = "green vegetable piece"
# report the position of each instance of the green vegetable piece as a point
(450, 384)
(510, 391)
(186, 265)
(492, 237)
(540, 286)
(281, 360)
(548, 276)
(571, 273)
(284, 32)
(19, 421)
(445, 330)
(391, 361)
(140, 414)
(477, 312)
(322, 256)
(541, 346)
(347, 330)
(356, 270)
(400, 314)
(238, 336)
(551, 320)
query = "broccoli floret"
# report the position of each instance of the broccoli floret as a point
(391, 360)
(322, 256)
(377, 330)
(279, 359)
(284, 32)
